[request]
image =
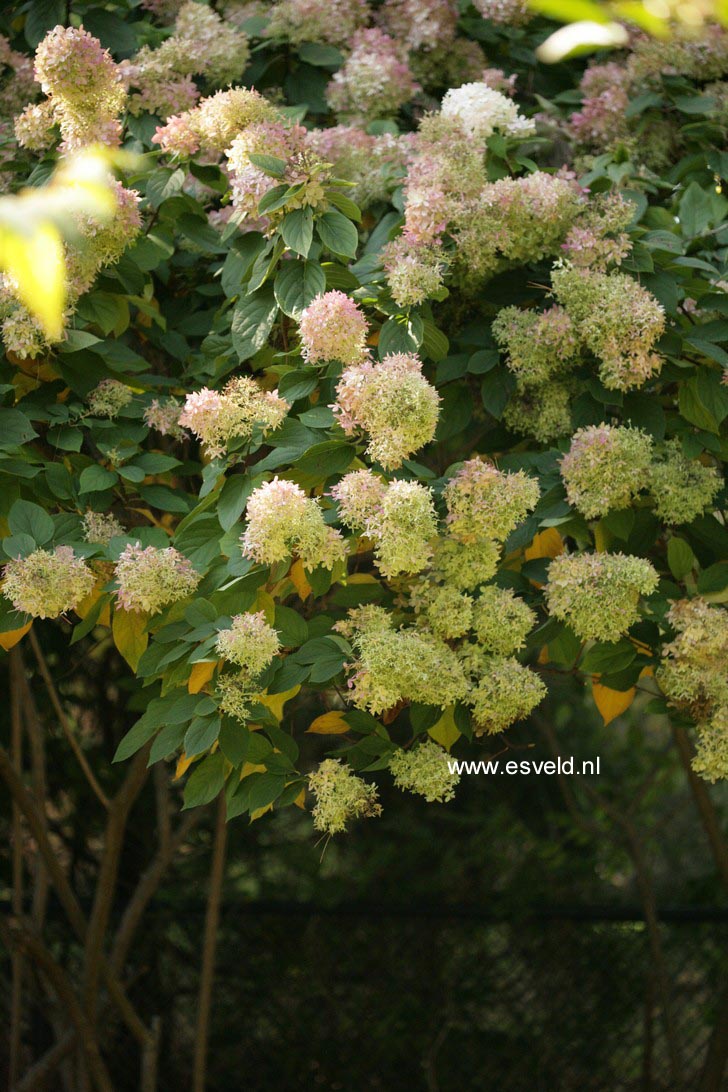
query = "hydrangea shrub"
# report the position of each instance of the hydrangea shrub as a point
(394, 387)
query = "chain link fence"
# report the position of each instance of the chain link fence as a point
(370, 999)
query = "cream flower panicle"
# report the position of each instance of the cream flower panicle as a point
(393, 403)
(150, 578)
(47, 583)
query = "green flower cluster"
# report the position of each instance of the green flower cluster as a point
(341, 796)
(681, 488)
(598, 595)
(605, 467)
(424, 770)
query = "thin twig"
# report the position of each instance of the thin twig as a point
(209, 945)
(16, 752)
(63, 720)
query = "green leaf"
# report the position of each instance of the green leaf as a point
(205, 782)
(297, 230)
(94, 479)
(269, 164)
(298, 384)
(344, 204)
(338, 234)
(15, 428)
(680, 558)
(201, 735)
(318, 54)
(714, 579)
(327, 458)
(292, 628)
(234, 741)
(27, 518)
(606, 657)
(694, 409)
(253, 320)
(296, 285)
(233, 498)
(400, 335)
(164, 184)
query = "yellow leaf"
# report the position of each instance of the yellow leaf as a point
(275, 702)
(264, 601)
(548, 543)
(10, 638)
(446, 731)
(543, 656)
(201, 673)
(251, 767)
(601, 538)
(361, 578)
(260, 811)
(300, 800)
(82, 609)
(611, 703)
(129, 635)
(299, 581)
(329, 724)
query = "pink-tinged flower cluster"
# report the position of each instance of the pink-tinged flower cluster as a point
(420, 24)
(602, 120)
(358, 495)
(215, 122)
(393, 403)
(509, 13)
(331, 21)
(537, 345)
(250, 183)
(203, 44)
(109, 397)
(218, 417)
(375, 164)
(480, 111)
(47, 583)
(598, 595)
(150, 579)
(18, 83)
(332, 327)
(35, 127)
(617, 319)
(282, 520)
(521, 219)
(605, 468)
(84, 86)
(374, 82)
(486, 503)
(399, 518)
(414, 272)
(101, 527)
(250, 643)
(164, 418)
(101, 243)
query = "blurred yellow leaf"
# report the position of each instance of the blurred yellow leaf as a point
(275, 702)
(300, 800)
(611, 703)
(264, 601)
(183, 764)
(581, 37)
(251, 767)
(446, 731)
(299, 581)
(329, 724)
(201, 673)
(36, 262)
(260, 811)
(129, 636)
(548, 543)
(9, 639)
